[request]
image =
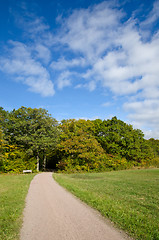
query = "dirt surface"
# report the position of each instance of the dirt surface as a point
(52, 213)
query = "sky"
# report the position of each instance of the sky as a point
(82, 59)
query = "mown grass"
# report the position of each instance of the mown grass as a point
(129, 198)
(13, 191)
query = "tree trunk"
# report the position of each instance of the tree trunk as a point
(37, 163)
(44, 165)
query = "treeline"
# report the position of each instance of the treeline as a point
(32, 139)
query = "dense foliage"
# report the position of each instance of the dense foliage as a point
(100, 145)
(32, 139)
(1, 149)
(30, 134)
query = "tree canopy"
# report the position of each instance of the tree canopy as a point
(32, 138)
(33, 130)
(84, 142)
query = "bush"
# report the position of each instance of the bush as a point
(15, 160)
(89, 162)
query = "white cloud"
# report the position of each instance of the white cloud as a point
(36, 26)
(151, 133)
(62, 63)
(118, 56)
(40, 85)
(121, 56)
(24, 68)
(90, 31)
(145, 115)
(106, 104)
(114, 50)
(30, 23)
(153, 15)
(91, 86)
(64, 80)
(144, 110)
(43, 53)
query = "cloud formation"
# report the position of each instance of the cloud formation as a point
(95, 47)
(119, 56)
(90, 31)
(23, 67)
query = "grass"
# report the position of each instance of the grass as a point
(129, 198)
(13, 191)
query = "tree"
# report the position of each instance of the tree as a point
(34, 130)
(72, 127)
(119, 138)
(154, 144)
(1, 140)
(1, 149)
(16, 160)
(79, 152)
(78, 148)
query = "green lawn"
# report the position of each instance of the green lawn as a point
(13, 191)
(129, 198)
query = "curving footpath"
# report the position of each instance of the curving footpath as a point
(52, 213)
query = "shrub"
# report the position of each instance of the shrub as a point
(15, 160)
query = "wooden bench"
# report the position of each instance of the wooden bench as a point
(27, 171)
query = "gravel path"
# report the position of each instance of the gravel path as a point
(52, 213)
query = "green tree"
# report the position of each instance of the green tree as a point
(1, 149)
(1, 139)
(117, 137)
(154, 143)
(79, 152)
(78, 148)
(33, 130)
(73, 127)
(16, 160)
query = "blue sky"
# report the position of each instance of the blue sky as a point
(82, 59)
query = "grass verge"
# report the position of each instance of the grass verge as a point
(129, 198)
(13, 191)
